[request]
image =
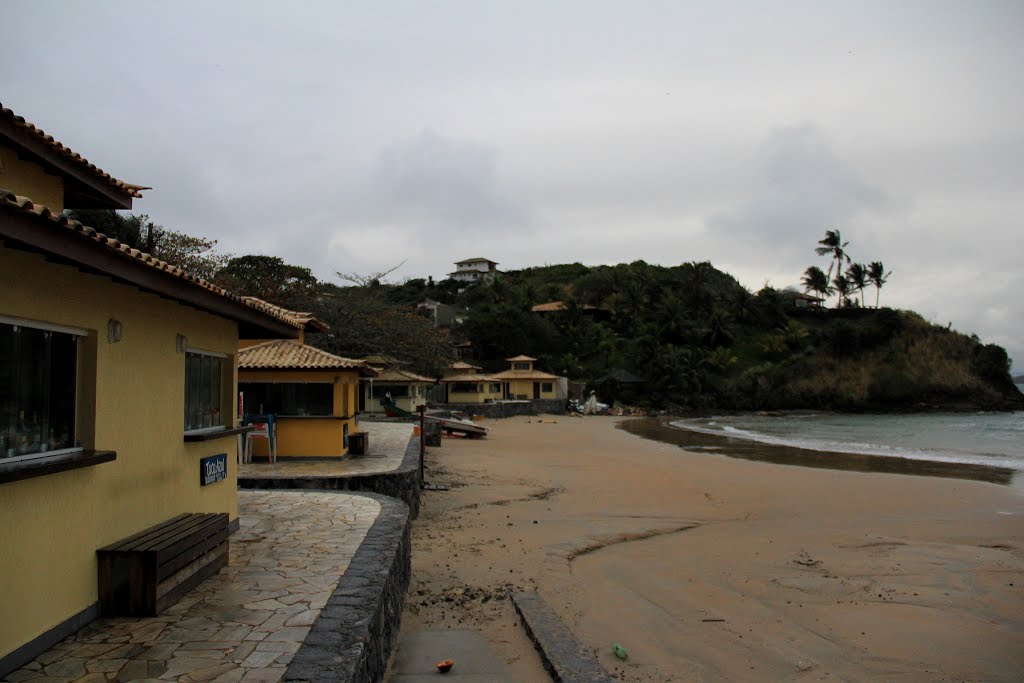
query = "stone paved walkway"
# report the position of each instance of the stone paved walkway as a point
(243, 625)
(387, 444)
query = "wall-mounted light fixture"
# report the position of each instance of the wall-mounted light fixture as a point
(115, 331)
(180, 343)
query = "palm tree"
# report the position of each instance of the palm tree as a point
(857, 274)
(842, 287)
(833, 244)
(878, 277)
(815, 280)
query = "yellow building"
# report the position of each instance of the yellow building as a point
(117, 378)
(463, 383)
(522, 381)
(408, 390)
(312, 394)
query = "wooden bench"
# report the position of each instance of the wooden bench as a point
(149, 571)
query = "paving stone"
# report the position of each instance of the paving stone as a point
(259, 659)
(92, 650)
(233, 676)
(179, 666)
(208, 673)
(304, 618)
(158, 651)
(291, 633)
(267, 675)
(69, 667)
(133, 670)
(103, 665)
(92, 678)
(24, 674)
(278, 646)
(147, 632)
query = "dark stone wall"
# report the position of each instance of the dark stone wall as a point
(351, 640)
(499, 409)
(402, 483)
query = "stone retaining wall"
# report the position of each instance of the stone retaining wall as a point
(500, 409)
(356, 631)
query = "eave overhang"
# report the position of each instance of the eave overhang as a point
(70, 244)
(85, 186)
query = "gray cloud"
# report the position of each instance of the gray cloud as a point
(802, 187)
(348, 137)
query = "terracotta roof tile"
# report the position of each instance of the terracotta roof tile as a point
(468, 378)
(520, 358)
(39, 134)
(18, 203)
(393, 375)
(459, 365)
(523, 374)
(288, 354)
(306, 320)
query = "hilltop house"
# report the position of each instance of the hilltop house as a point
(311, 394)
(117, 387)
(475, 270)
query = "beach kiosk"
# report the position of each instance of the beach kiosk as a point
(311, 395)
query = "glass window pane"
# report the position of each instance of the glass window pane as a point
(38, 375)
(63, 383)
(215, 395)
(287, 398)
(32, 345)
(8, 392)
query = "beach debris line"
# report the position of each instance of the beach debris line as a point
(620, 651)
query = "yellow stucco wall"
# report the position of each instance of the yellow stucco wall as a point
(51, 526)
(307, 436)
(524, 387)
(29, 180)
(484, 393)
(409, 403)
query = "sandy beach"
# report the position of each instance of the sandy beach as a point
(706, 567)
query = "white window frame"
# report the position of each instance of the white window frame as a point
(213, 354)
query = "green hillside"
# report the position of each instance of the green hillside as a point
(698, 340)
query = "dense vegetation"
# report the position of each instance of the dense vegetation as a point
(699, 340)
(686, 337)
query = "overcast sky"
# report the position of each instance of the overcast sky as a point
(349, 136)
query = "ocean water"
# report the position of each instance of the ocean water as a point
(973, 439)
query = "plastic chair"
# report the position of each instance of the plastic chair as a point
(261, 430)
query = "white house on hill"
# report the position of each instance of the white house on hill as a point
(474, 270)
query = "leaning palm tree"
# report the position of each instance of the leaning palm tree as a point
(843, 288)
(833, 244)
(857, 274)
(878, 277)
(815, 280)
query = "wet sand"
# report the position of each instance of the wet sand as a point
(707, 567)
